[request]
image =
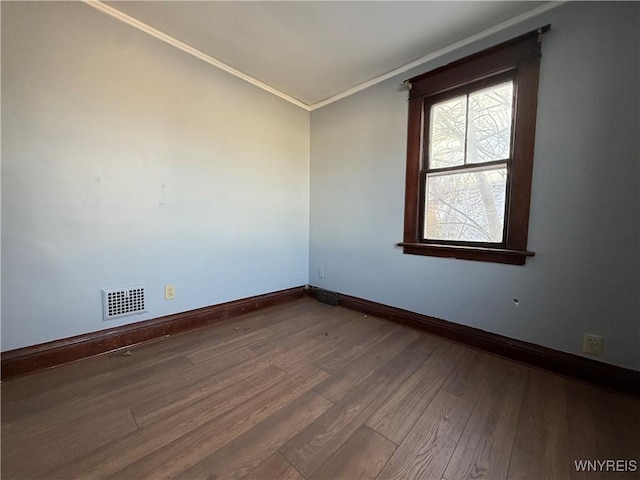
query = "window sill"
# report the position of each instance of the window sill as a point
(481, 254)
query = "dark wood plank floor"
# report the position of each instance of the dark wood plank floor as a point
(309, 391)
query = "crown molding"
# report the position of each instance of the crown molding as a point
(174, 42)
(168, 39)
(439, 53)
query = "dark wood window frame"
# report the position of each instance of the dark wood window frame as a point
(518, 59)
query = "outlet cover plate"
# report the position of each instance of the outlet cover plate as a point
(169, 292)
(592, 344)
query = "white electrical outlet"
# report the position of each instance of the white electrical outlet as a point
(169, 292)
(592, 344)
(321, 272)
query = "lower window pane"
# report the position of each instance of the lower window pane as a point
(466, 207)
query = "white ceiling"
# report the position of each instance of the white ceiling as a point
(314, 51)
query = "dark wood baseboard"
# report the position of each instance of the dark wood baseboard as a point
(570, 365)
(37, 357)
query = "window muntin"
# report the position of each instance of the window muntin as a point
(466, 165)
(469, 152)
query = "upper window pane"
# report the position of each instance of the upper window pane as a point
(447, 133)
(470, 156)
(490, 120)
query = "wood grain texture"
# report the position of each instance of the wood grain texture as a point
(58, 352)
(93, 397)
(340, 384)
(373, 333)
(246, 452)
(243, 399)
(525, 466)
(484, 450)
(581, 368)
(228, 409)
(49, 447)
(399, 413)
(427, 449)
(276, 466)
(201, 382)
(542, 430)
(602, 426)
(362, 456)
(470, 375)
(196, 445)
(308, 450)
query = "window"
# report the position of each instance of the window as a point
(470, 155)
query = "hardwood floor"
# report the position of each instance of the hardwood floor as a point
(310, 391)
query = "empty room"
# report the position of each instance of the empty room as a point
(320, 240)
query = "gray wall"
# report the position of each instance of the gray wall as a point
(126, 161)
(585, 210)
